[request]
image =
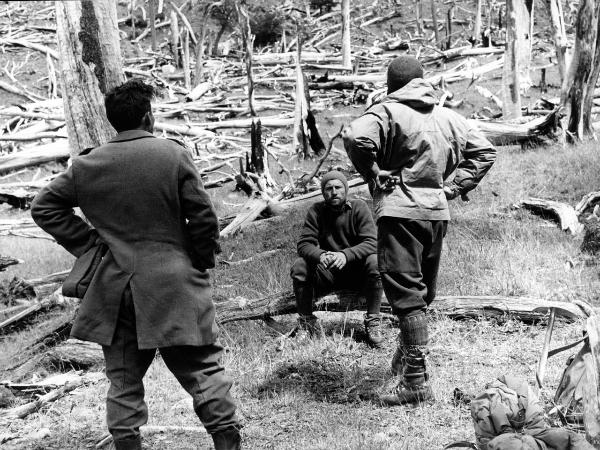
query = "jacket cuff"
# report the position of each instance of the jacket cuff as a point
(349, 255)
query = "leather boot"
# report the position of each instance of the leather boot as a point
(310, 325)
(304, 297)
(409, 363)
(227, 439)
(134, 443)
(373, 330)
(413, 386)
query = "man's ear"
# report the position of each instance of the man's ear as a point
(148, 121)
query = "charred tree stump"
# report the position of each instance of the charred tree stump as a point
(90, 65)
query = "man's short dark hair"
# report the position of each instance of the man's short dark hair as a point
(127, 104)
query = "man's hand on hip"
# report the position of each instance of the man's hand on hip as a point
(385, 181)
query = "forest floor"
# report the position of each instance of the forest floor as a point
(319, 393)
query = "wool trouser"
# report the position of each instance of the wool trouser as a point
(409, 253)
(362, 275)
(197, 369)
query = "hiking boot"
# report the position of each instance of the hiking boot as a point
(406, 393)
(134, 443)
(227, 439)
(309, 326)
(373, 330)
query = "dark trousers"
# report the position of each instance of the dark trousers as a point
(196, 368)
(409, 258)
(361, 275)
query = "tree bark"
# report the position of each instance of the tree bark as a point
(583, 74)
(559, 34)
(457, 307)
(90, 65)
(519, 20)
(567, 217)
(476, 38)
(346, 43)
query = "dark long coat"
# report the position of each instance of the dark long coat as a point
(144, 198)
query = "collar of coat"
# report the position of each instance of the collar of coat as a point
(131, 135)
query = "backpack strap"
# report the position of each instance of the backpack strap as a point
(567, 347)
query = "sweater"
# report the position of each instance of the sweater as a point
(350, 230)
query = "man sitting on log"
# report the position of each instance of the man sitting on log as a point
(337, 250)
(407, 147)
(145, 201)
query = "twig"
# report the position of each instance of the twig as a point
(305, 180)
(185, 22)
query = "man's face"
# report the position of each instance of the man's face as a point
(334, 193)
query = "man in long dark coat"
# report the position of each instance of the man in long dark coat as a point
(144, 198)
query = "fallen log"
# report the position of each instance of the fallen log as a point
(255, 205)
(461, 52)
(587, 201)
(503, 133)
(55, 151)
(19, 197)
(567, 217)
(75, 354)
(525, 309)
(50, 301)
(22, 411)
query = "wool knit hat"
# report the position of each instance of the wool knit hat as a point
(401, 70)
(333, 175)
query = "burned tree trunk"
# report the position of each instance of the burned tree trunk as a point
(90, 65)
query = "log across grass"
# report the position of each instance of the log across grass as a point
(318, 394)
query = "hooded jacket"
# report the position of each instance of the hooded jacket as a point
(425, 145)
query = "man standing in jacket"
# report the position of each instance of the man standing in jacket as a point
(145, 201)
(415, 155)
(337, 250)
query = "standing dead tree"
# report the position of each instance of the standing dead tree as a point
(517, 57)
(247, 43)
(559, 35)
(578, 87)
(346, 45)
(90, 65)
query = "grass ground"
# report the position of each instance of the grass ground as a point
(317, 394)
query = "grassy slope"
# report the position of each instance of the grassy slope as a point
(316, 394)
